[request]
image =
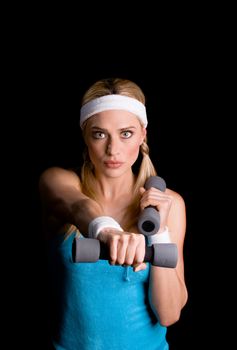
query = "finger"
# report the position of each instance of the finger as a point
(139, 267)
(113, 250)
(121, 250)
(131, 249)
(140, 251)
(155, 200)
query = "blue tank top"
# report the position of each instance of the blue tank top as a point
(96, 306)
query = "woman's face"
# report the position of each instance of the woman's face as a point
(113, 139)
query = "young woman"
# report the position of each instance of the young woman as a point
(124, 303)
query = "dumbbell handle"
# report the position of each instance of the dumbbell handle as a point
(149, 220)
(91, 250)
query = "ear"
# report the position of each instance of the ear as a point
(143, 135)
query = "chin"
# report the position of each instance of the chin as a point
(113, 173)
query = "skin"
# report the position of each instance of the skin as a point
(113, 139)
(113, 144)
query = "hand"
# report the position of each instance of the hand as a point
(159, 199)
(125, 248)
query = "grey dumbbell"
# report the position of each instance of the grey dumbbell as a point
(149, 220)
(91, 250)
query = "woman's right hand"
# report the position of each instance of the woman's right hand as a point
(125, 248)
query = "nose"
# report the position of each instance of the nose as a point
(112, 148)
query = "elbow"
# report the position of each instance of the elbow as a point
(172, 315)
(167, 316)
(185, 299)
(169, 320)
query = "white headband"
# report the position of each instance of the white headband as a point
(113, 102)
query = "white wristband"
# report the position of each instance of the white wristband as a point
(162, 237)
(97, 224)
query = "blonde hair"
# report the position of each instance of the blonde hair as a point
(128, 88)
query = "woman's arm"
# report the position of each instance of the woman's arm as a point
(63, 202)
(167, 289)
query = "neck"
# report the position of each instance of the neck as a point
(114, 187)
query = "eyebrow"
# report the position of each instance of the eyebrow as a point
(94, 127)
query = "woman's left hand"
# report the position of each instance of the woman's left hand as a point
(159, 199)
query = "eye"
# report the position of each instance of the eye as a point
(127, 134)
(98, 135)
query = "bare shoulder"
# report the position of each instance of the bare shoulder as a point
(177, 199)
(177, 216)
(55, 176)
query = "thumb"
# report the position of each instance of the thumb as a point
(142, 190)
(139, 267)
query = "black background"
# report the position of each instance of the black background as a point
(172, 111)
(48, 73)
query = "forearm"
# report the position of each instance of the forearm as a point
(74, 208)
(63, 201)
(67, 205)
(167, 294)
(82, 212)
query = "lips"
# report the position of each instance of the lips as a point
(113, 164)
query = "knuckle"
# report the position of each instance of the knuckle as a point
(138, 261)
(129, 261)
(120, 261)
(122, 238)
(133, 237)
(113, 256)
(113, 239)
